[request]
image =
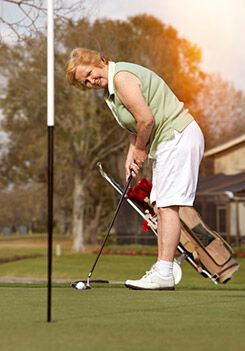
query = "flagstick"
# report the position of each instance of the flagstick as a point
(50, 123)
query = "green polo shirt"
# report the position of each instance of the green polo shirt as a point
(168, 112)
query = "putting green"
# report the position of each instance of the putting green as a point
(110, 318)
(197, 316)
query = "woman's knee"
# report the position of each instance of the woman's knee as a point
(162, 211)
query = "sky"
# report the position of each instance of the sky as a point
(216, 26)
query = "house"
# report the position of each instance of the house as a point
(228, 158)
(221, 196)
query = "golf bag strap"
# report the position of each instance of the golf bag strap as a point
(197, 261)
(189, 247)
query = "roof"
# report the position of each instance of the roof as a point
(225, 146)
(218, 183)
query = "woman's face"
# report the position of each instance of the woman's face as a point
(92, 77)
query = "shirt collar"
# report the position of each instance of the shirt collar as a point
(111, 73)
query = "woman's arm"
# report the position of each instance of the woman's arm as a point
(130, 155)
(129, 92)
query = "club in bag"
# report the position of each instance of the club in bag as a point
(80, 284)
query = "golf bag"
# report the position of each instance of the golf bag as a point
(207, 250)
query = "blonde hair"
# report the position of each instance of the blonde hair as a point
(82, 56)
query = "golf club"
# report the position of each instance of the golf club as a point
(87, 285)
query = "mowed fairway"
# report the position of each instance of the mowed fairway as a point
(197, 316)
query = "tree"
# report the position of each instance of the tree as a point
(24, 206)
(221, 110)
(31, 14)
(174, 59)
(91, 138)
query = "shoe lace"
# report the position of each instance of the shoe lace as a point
(147, 273)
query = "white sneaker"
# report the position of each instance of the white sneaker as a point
(152, 280)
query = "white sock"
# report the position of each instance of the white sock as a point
(165, 268)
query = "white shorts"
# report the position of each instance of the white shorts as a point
(176, 168)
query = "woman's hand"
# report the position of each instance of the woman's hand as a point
(139, 156)
(135, 162)
(128, 163)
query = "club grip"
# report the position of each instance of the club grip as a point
(131, 170)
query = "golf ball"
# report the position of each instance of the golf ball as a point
(80, 286)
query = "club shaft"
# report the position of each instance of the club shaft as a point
(111, 224)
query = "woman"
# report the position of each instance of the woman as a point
(160, 128)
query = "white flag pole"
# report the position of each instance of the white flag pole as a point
(50, 64)
(50, 124)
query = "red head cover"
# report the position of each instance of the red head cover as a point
(140, 193)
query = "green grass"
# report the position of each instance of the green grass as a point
(76, 266)
(109, 267)
(120, 319)
(27, 237)
(197, 316)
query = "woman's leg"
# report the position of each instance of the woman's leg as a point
(168, 230)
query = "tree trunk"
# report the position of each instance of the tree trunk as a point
(63, 225)
(78, 212)
(94, 224)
